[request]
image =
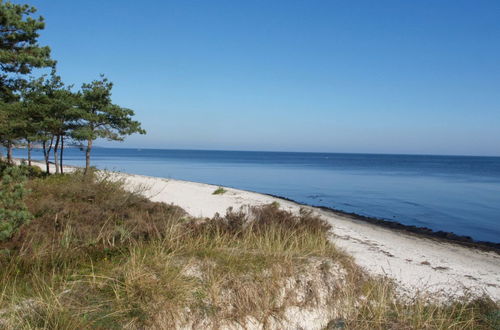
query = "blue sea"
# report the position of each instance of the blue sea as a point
(451, 193)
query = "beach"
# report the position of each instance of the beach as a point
(417, 264)
(249, 165)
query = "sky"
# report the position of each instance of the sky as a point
(412, 77)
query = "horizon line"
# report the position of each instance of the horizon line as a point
(311, 152)
(277, 151)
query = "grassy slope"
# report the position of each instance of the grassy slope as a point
(97, 256)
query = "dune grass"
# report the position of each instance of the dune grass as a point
(219, 191)
(97, 256)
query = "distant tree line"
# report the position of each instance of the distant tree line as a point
(36, 107)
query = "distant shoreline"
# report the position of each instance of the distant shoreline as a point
(37, 147)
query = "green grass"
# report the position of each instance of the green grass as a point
(97, 256)
(219, 191)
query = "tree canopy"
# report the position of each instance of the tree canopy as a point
(100, 118)
(19, 48)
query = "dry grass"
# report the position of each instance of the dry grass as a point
(96, 256)
(374, 304)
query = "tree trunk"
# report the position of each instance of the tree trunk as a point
(29, 152)
(9, 152)
(62, 150)
(87, 155)
(46, 153)
(44, 146)
(56, 150)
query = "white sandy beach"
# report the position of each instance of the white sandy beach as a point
(415, 263)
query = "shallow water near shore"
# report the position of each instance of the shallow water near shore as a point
(458, 194)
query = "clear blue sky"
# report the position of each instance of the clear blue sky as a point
(337, 76)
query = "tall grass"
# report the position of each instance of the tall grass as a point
(96, 256)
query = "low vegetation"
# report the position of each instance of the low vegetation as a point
(219, 191)
(13, 211)
(97, 256)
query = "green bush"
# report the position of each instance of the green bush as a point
(219, 191)
(34, 171)
(13, 210)
(3, 166)
(27, 170)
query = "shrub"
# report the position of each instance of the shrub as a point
(219, 191)
(3, 166)
(13, 211)
(33, 171)
(80, 210)
(25, 169)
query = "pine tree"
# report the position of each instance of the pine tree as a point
(101, 118)
(13, 210)
(51, 111)
(20, 53)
